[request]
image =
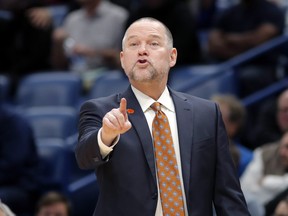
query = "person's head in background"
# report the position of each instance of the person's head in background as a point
(53, 204)
(5, 210)
(233, 113)
(283, 150)
(282, 111)
(282, 208)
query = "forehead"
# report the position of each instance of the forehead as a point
(145, 29)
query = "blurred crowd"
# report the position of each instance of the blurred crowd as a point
(84, 37)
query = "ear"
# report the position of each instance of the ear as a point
(173, 57)
(121, 59)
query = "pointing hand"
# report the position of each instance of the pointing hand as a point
(115, 122)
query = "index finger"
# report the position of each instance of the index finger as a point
(123, 106)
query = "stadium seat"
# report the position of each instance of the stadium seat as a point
(204, 80)
(53, 124)
(54, 167)
(109, 83)
(49, 89)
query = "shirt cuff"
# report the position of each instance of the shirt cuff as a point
(104, 149)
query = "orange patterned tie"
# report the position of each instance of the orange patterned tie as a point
(167, 169)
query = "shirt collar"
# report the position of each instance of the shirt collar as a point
(146, 101)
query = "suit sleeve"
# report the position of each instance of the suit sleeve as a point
(87, 150)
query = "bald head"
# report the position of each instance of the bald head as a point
(168, 33)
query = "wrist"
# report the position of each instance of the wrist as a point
(107, 138)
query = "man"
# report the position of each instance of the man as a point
(53, 204)
(115, 139)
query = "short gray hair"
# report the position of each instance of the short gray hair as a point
(151, 19)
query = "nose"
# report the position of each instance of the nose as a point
(143, 50)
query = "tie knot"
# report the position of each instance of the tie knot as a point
(156, 106)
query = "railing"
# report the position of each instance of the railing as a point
(266, 92)
(238, 60)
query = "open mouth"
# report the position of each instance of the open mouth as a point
(142, 61)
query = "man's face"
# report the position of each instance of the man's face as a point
(146, 54)
(283, 150)
(282, 112)
(57, 209)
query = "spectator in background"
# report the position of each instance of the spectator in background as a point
(21, 41)
(233, 114)
(52, 13)
(266, 175)
(53, 204)
(204, 12)
(272, 121)
(242, 27)
(26, 27)
(91, 37)
(177, 16)
(19, 183)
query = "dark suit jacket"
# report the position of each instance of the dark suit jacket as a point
(127, 177)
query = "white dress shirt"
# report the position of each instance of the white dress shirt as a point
(169, 109)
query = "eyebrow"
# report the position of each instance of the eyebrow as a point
(152, 36)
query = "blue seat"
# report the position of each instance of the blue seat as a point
(183, 75)
(86, 186)
(49, 89)
(53, 124)
(204, 80)
(226, 83)
(4, 87)
(109, 83)
(54, 166)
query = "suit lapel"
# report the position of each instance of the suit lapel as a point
(185, 127)
(139, 123)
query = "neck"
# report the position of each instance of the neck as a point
(152, 90)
